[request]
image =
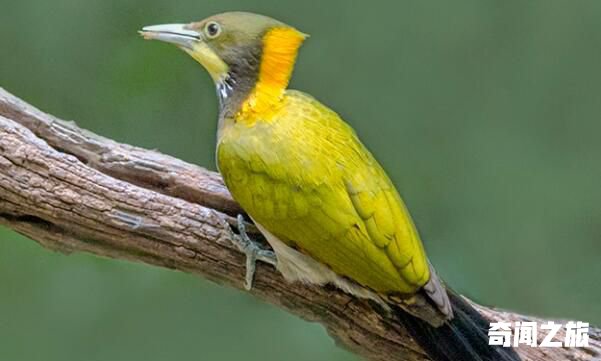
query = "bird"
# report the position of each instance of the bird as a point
(327, 208)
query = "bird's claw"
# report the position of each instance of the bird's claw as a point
(252, 251)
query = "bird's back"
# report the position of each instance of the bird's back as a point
(302, 173)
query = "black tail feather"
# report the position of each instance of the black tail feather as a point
(464, 338)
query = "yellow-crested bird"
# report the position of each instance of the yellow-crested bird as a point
(324, 204)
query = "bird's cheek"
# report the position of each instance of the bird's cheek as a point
(207, 57)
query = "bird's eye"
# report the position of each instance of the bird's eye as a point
(213, 29)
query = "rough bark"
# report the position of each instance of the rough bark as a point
(74, 191)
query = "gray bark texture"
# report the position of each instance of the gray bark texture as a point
(74, 191)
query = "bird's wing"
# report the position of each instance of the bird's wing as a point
(312, 184)
(386, 220)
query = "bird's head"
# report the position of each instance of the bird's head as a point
(239, 50)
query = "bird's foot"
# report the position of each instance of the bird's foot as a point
(253, 252)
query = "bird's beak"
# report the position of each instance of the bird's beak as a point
(192, 43)
(177, 34)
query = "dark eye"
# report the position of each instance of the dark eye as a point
(213, 29)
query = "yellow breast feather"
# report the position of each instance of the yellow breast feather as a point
(307, 178)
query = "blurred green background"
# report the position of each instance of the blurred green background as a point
(485, 114)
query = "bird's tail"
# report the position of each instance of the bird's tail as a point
(463, 338)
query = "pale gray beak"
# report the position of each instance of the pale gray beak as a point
(176, 34)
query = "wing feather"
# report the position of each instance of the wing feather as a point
(308, 180)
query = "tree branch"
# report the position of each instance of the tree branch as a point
(74, 191)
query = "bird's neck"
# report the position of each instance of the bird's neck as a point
(252, 90)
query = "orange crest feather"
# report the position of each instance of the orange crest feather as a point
(280, 48)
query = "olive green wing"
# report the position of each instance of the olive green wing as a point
(312, 184)
(386, 219)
